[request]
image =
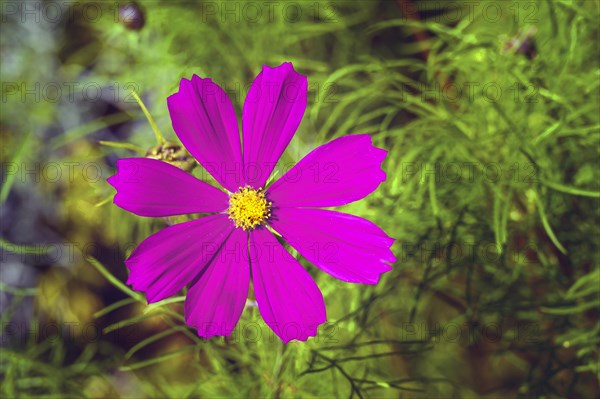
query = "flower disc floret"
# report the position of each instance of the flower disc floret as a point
(249, 208)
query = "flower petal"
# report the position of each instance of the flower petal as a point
(166, 261)
(148, 187)
(288, 299)
(272, 112)
(349, 248)
(342, 171)
(215, 303)
(204, 120)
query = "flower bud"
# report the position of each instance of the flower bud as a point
(132, 16)
(174, 154)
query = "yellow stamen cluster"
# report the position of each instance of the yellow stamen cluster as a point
(248, 208)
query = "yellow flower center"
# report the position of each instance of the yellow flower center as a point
(248, 208)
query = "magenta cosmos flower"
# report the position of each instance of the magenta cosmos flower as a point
(216, 256)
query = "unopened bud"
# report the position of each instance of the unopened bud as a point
(132, 16)
(174, 154)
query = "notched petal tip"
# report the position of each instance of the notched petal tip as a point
(285, 66)
(171, 100)
(209, 333)
(373, 151)
(288, 299)
(309, 331)
(111, 180)
(352, 249)
(372, 281)
(298, 331)
(185, 83)
(285, 74)
(207, 330)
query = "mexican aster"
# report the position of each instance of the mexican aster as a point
(240, 239)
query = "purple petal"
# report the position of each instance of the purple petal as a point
(272, 112)
(168, 260)
(349, 248)
(337, 173)
(205, 122)
(215, 303)
(148, 187)
(288, 299)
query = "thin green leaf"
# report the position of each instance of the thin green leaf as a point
(154, 306)
(113, 280)
(142, 344)
(160, 139)
(88, 128)
(570, 190)
(40, 249)
(126, 146)
(10, 177)
(546, 224)
(114, 306)
(158, 359)
(432, 194)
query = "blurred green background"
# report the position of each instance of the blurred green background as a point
(489, 111)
